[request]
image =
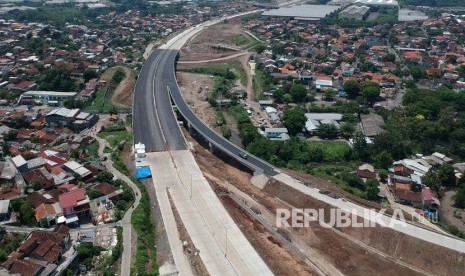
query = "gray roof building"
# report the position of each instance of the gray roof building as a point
(303, 11)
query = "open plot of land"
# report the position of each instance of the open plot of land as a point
(451, 214)
(195, 89)
(217, 41)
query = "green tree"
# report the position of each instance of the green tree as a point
(89, 74)
(278, 95)
(329, 95)
(94, 193)
(2, 233)
(417, 72)
(3, 255)
(360, 145)
(260, 48)
(113, 110)
(347, 129)
(352, 88)
(327, 131)
(10, 135)
(104, 176)
(27, 213)
(446, 175)
(294, 119)
(383, 160)
(36, 186)
(58, 79)
(459, 198)
(383, 175)
(431, 180)
(118, 76)
(389, 57)
(371, 94)
(371, 193)
(298, 93)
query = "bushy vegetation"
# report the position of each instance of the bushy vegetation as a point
(57, 79)
(25, 211)
(144, 225)
(87, 251)
(118, 250)
(118, 76)
(459, 198)
(141, 219)
(9, 242)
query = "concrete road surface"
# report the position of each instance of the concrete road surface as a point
(223, 248)
(406, 228)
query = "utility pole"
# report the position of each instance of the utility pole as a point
(226, 247)
(191, 186)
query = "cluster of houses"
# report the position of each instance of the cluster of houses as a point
(405, 180)
(43, 169)
(39, 254)
(327, 56)
(28, 48)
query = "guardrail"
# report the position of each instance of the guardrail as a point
(210, 140)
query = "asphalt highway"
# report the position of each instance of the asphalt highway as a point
(153, 119)
(228, 147)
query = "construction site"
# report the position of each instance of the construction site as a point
(252, 201)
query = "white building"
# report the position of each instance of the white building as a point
(316, 119)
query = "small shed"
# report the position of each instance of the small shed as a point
(4, 210)
(140, 150)
(366, 171)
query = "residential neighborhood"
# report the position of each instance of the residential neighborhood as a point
(166, 137)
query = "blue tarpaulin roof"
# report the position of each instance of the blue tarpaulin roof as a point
(143, 172)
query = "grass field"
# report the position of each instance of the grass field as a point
(222, 69)
(259, 84)
(116, 137)
(239, 40)
(101, 103)
(333, 151)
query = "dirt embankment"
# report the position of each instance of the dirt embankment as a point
(367, 251)
(122, 96)
(422, 255)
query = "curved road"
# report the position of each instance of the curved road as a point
(154, 122)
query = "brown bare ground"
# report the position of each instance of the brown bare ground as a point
(123, 94)
(269, 248)
(200, 46)
(349, 257)
(447, 211)
(195, 89)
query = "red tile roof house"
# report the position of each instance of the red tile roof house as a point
(429, 198)
(366, 171)
(43, 250)
(74, 202)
